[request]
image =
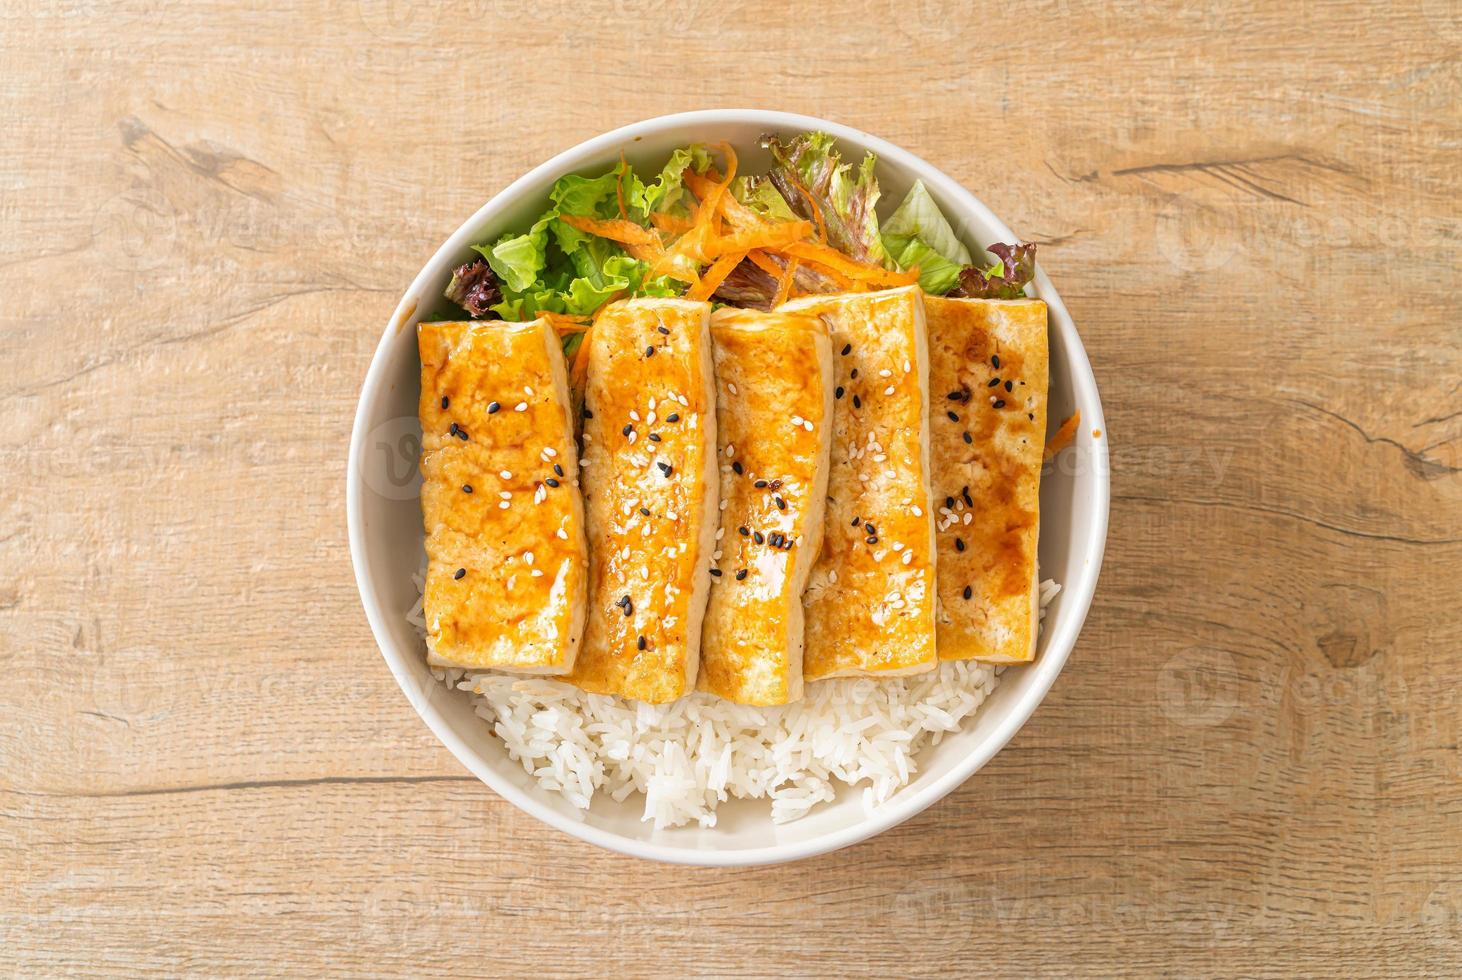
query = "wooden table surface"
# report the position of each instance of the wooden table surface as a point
(1250, 764)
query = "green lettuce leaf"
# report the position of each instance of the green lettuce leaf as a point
(667, 191)
(810, 170)
(761, 195)
(937, 275)
(919, 217)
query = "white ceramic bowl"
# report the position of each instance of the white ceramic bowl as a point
(386, 531)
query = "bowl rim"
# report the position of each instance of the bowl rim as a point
(1076, 595)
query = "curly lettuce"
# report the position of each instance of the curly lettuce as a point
(811, 176)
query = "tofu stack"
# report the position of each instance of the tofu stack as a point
(774, 394)
(650, 493)
(507, 561)
(988, 371)
(870, 600)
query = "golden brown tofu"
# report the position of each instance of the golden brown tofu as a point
(774, 403)
(507, 570)
(987, 371)
(870, 598)
(649, 483)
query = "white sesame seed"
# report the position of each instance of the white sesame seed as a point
(885, 373)
(521, 407)
(730, 451)
(506, 474)
(907, 366)
(528, 391)
(528, 557)
(731, 387)
(583, 463)
(969, 516)
(918, 511)
(723, 505)
(807, 425)
(634, 416)
(908, 557)
(536, 573)
(563, 535)
(879, 458)
(632, 436)
(684, 403)
(670, 515)
(716, 555)
(650, 419)
(550, 452)
(888, 390)
(797, 420)
(505, 495)
(720, 533)
(504, 504)
(540, 495)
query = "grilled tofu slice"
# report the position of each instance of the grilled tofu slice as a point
(987, 370)
(774, 397)
(507, 569)
(650, 493)
(870, 598)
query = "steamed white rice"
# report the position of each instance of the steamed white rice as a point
(690, 756)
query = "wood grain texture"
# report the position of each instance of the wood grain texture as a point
(1250, 765)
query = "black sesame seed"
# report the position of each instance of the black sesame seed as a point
(1009, 386)
(781, 504)
(847, 349)
(673, 417)
(744, 531)
(716, 572)
(1031, 416)
(665, 468)
(653, 437)
(737, 468)
(757, 537)
(493, 407)
(587, 414)
(955, 396)
(775, 539)
(462, 434)
(640, 642)
(626, 430)
(557, 470)
(760, 484)
(446, 401)
(999, 403)
(857, 402)
(994, 383)
(959, 544)
(838, 392)
(871, 539)
(854, 375)
(466, 488)
(453, 430)
(969, 439)
(740, 574)
(664, 330)
(857, 521)
(622, 601)
(870, 528)
(969, 592)
(952, 417)
(459, 573)
(650, 351)
(645, 511)
(995, 361)
(965, 493)
(551, 482)
(949, 502)
(625, 604)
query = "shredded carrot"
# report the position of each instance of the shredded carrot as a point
(705, 223)
(784, 287)
(715, 275)
(1063, 435)
(614, 229)
(564, 323)
(830, 257)
(579, 370)
(669, 223)
(839, 280)
(764, 262)
(771, 237)
(701, 185)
